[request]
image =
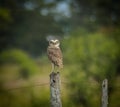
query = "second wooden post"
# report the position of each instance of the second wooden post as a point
(105, 93)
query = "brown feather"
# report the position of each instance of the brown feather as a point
(55, 56)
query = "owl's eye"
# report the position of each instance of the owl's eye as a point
(51, 42)
(57, 42)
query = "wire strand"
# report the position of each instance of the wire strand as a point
(38, 84)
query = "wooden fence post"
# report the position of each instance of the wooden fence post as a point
(55, 97)
(105, 93)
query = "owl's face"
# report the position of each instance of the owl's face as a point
(54, 43)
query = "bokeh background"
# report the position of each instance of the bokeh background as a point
(89, 31)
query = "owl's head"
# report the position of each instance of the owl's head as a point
(55, 43)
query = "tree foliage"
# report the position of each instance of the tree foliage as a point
(25, 24)
(20, 58)
(90, 59)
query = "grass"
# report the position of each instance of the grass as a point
(33, 91)
(88, 60)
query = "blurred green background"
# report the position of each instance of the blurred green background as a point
(89, 31)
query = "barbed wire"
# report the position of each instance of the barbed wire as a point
(33, 85)
(28, 86)
(38, 84)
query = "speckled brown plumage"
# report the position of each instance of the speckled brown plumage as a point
(55, 56)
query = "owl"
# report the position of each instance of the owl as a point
(54, 54)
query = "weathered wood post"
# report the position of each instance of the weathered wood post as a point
(105, 93)
(55, 97)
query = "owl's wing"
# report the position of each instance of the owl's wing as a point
(55, 55)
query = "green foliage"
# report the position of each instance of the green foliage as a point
(19, 57)
(5, 18)
(90, 59)
(26, 23)
(93, 53)
(115, 95)
(14, 64)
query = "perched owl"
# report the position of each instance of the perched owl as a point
(55, 54)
